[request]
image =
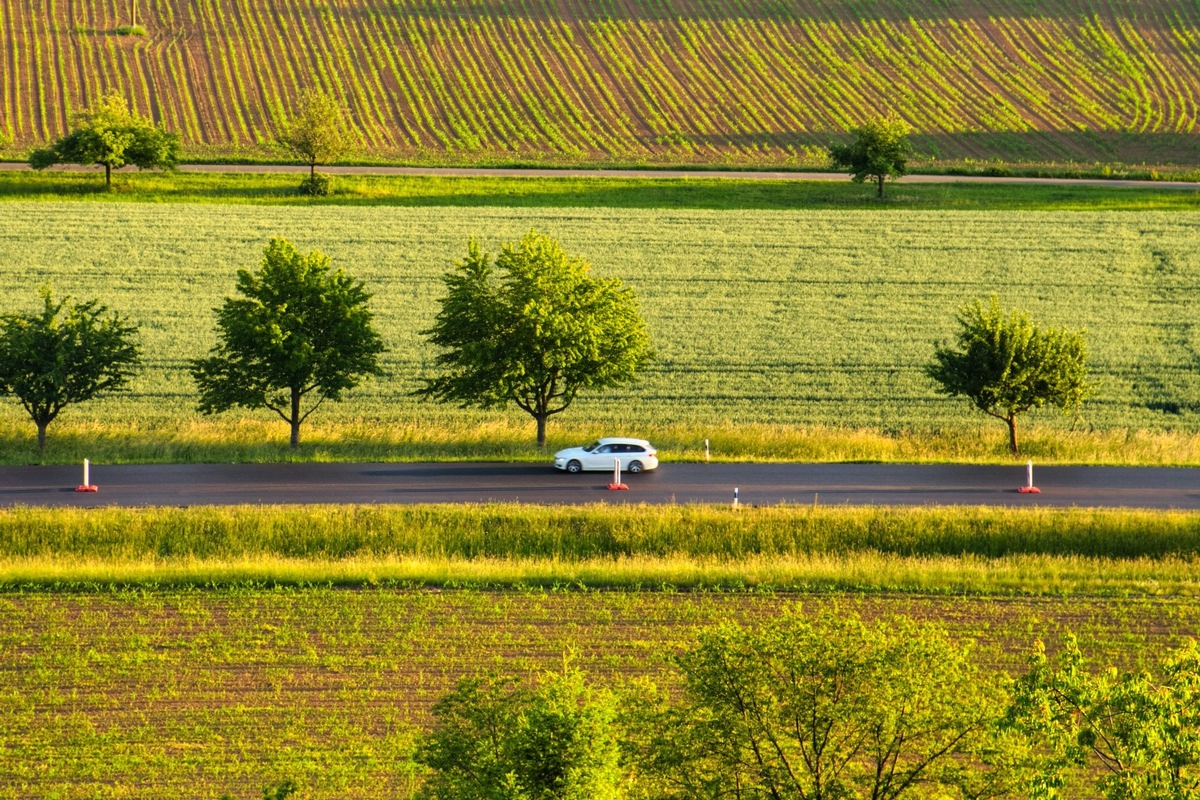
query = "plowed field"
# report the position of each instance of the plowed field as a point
(680, 81)
(197, 694)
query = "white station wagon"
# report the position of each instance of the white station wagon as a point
(635, 454)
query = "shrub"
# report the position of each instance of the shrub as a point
(316, 185)
(131, 30)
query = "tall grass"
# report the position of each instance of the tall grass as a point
(944, 549)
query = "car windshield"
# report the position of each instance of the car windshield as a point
(591, 447)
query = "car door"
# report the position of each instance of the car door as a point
(600, 458)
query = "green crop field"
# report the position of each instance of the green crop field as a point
(630, 81)
(772, 319)
(195, 694)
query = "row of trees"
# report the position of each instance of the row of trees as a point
(112, 135)
(826, 707)
(531, 328)
(318, 132)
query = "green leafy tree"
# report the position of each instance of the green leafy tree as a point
(301, 329)
(316, 133)
(112, 135)
(533, 330)
(65, 355)
(1141, 730)
(827, 708)
(498, 739)
(880, 150)
(1006, 365)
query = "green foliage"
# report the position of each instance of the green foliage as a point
(316, 133)
(880, 150)
(1006, 365)
(131, 30)
(536, 334)
(112, 135)
(66, 355)
(301, 328)
(316, 185)
(1141, 730)
(826, 707)
(496, 739)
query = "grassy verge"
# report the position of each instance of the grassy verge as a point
(926, 550)
(691, 192)
(200, 440)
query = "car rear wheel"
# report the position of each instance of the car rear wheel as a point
(635, 466)
(574, 466)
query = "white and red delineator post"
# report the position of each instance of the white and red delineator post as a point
(87, 485)
(1029, 488)
(616, 484)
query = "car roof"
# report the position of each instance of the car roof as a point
(624, 440)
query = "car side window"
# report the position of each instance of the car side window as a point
(608, 448)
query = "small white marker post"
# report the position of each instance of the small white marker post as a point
(86, 486)
(1029, 488)
(616, 484)
(735, 499)
(706, 449)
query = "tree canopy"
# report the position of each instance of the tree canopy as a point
(67, 354)
(1007, 365)
(1141, 729)
(825, 707)
(534, 330)
(499, 739)
(880, 150)
(112, 135)
(300, 328)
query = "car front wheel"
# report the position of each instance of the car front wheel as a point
(574, 466)
(635, 466)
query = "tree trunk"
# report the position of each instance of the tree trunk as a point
(1012, 434)
(541, 425)
(107, 176)
(295, 442)
(312, 170)
(879, 180)
(41, 428)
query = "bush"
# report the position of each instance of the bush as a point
(131, 30)
(316, 185)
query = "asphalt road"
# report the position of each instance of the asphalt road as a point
(758, 484)
(533, 172)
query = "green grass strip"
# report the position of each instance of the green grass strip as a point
(592, 192)
(896, 549)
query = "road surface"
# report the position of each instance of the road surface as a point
(758, 484)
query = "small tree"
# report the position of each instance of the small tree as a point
(111, 135)
(826, 708)
(300, 328)
(1006, 365)
(537, 334)
(880, 150)
(67, 354)
(496, 739)
(316, 133)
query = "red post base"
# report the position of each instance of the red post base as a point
(87, 488)
(1029, 490)
(615, 487)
